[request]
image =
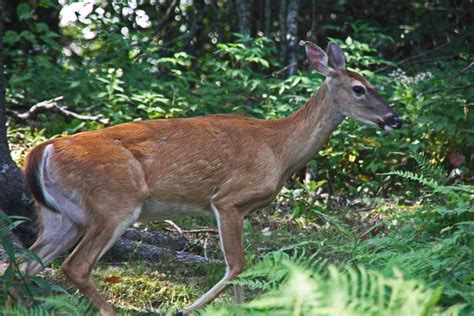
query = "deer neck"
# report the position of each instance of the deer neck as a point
(308, 129)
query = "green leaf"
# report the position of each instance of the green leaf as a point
(24, 11)
(11, 37)
(46, 3)
(52, 43)
(28, 36)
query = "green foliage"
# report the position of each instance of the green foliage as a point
(303, 198)
(53, 305)
(434, 242)
(425, 249)
(270, 272)
(21, 140)
(12, 274)
(303, 287)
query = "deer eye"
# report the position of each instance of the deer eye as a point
(358, 90)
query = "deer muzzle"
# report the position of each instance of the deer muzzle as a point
(390, 122)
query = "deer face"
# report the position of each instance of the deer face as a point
(353, 95)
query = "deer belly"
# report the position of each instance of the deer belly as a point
(153, 209)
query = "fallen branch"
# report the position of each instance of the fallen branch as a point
(156, 238)
(53, 106)
(171, 223)
(126, 249)
(199, 231)
(194, 231)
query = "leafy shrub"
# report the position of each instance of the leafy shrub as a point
(433, 241)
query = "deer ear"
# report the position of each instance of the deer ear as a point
(317, 58)
(336, 56)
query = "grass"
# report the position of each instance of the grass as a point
(134, 287)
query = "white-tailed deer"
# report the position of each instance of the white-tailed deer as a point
(93, 185)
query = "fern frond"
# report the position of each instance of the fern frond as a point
(272, 269)
(54, 305)
(415, 177)
(350, 291)
(429, 170)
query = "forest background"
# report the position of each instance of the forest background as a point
(377, 224)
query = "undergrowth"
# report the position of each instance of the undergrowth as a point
(71, 305)
(293, 286)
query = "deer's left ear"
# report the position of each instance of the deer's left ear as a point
(336, 56)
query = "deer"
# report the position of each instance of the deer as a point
(91, 186)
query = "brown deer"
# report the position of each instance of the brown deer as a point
(93, 185)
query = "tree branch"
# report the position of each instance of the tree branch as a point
(186, 36)
(412, 59)
(282, 70)
(195, 26)
(195, 231)
(167, 18)
(466, 86)
(53, 106)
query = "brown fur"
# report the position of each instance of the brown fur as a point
(358, 77)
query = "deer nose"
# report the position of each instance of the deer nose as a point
(393, 120)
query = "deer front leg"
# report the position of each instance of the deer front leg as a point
(229, 221)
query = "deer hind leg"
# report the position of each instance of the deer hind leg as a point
(58, 234)
(229, 222)
(100, 236)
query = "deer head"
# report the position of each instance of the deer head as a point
(353, 95)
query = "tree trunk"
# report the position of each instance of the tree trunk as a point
(292, 36)
(282, 22)
(242, 10)
(14, 197)
(196, 28)
(314, 21)
(268, 18)
(259, 10)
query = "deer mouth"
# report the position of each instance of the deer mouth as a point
(390, 122)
